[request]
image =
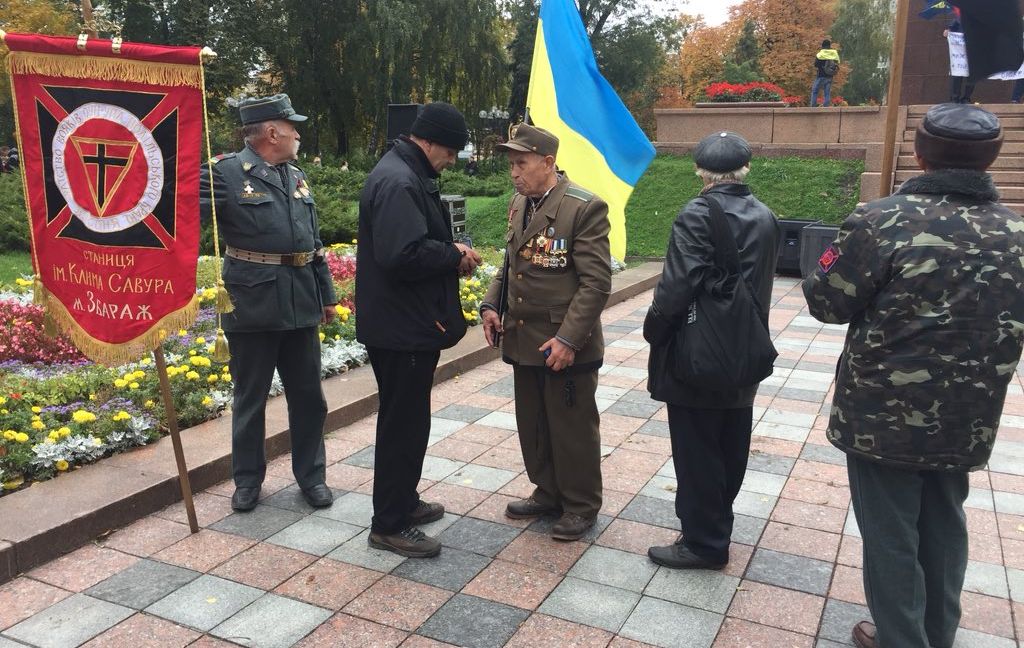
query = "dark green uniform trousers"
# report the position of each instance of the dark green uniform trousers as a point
(296, 356)
(915, 550)
(559, 431)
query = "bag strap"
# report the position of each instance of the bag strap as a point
(727, 256)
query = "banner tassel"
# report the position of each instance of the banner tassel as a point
(221, 353)
(38, 292)
(224, 304)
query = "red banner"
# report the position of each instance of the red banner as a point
(109, 136)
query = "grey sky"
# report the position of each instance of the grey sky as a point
(715, 11)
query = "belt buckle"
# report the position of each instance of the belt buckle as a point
(297, 259)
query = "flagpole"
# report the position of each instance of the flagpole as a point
(172, 425)
(899, 46)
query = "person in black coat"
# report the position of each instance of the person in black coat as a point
(408, 309)
(710, 429)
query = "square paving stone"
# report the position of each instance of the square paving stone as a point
(544, 525)
(838, 620)
(466, 413)
(479, 536)
(70, 622)
(481, 477)
(620, 569)
(770, 463)
(259, 523)
(636, 410)
(451, 570)
(592, 604)
(755, 481)
(272, 622)
(504, 388)
(640, 396)
(205, 602)
(500, 420)
(364, 458)
(824, 454)
(754, 504)
(142, 584)
(670, 625)
(704, 589)
(10, 643)
(1016, 579)
(475, 622)
(668, 469)
(315, 535)
(291, 499)
(660, 487)
(437, 468)
(986, 578)
(357, 552)
(973, 639)
(354, 508)
(1011, 503)
(442, 428)
(793, 572)
(792, 393)
(655, 428)
(650, 510)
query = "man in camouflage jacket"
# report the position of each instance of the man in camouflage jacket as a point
(931, 281)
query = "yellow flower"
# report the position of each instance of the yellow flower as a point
(38, 425)
(337, 337)
(163, 335)
(322, 336)
(37, 409)
(23, 282)
(92, 397)
(10, 435)
(182, 332)
(200, 340)
(149, 404)
(53, 436)
(145, 362)
(35, 417)
(2, 400)
(120, 383)
(199, 361)
(21, 437)
(133, 385)
(226, 377)
(172, 371)
(122, 416)
(192, 375)
(139, 375)
(64, 432)
(61, 465)
(82, 416)
(191, 352)
(353, 241)
(212, 378)
(207, 401)
(96, 441)
(4, 411)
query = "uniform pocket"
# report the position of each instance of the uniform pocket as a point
(253, 291)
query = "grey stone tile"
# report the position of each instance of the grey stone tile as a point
(651, 510)
(655, 428)
(783, 363)
(640, 396)
(659, 487)
(794, 572)
(1011, 503)
(590, 603)
(747, 529)
(670, 625)
(504, 388)
(770, 463)
(451, 570)
(142, 584)
(354, 508)
(291, 499)
(364, 458)
(502, 420)
(474, 622)
(838, 619)
(437, 527)
(437, 468)
(768, 391)
(980, 498)
(10, 643)
(481, 477)
(479, 536)
(806, 365)
(825, 643)
(616, 568)
(544, 525)
(272, 622)
(608, 392)
(315, 535)
(205, 602)
(973, 639)
(851, 528)
(700, 588)
(825, 454)
(614, 328)
(986, 578)
(1016, 580)
(782, 431)
(357, 552)
(70, 622)
(754, 504)
(668, 469)
(441, 428)
(638, 410)
(755, 481)
(259, 523)
(466, 413)
(812, 396)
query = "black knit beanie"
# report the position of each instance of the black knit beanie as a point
(442, 124)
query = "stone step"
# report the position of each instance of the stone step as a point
(1009, 148)
(1001, 178)
(906, 162)
(1008, 135)
(999, 110)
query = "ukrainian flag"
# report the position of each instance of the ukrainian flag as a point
(601, 146)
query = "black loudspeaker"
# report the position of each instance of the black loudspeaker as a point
(400, 119)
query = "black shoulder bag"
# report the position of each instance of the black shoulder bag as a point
(724, 343)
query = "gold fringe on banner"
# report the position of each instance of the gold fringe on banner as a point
(38, 291)
(106, 69)
(115, 355)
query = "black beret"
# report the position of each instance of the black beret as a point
(722, 152)
(261, 109)
(442, 124)
(958, 136)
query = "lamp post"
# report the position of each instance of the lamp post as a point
(493, 122)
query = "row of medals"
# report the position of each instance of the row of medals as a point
(546, 252)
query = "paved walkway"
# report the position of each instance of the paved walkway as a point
(286, 575)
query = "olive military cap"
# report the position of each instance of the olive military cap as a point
(260, 109)
(530, 139)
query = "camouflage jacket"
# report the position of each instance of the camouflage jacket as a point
(931, 280)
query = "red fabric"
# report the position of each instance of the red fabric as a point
(100, 47)
(828, 258)
(112, 175)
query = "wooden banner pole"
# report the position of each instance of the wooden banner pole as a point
(892, 99)
(172, 425)
(87, 18)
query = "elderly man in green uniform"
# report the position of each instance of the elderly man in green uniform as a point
(281, 288)
(552, 289)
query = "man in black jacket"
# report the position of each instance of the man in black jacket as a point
(710, 429)
(407, 300)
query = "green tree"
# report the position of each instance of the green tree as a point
(863, 28)
(743, 63)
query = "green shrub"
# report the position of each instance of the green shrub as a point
(14, 235)
(455, 182)
(344, 184)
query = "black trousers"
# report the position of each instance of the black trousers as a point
(915, 550)
(296, 356)
(404, 380)
(709, 451)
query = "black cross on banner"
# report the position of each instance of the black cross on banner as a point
(102, 162)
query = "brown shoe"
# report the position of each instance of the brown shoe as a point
(571, 526)
(864, 635)
(426, 512)
(411, 543)
(529, 508)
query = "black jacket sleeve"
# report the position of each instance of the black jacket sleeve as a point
(400, 242)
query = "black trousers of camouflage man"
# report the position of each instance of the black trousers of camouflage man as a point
(560, 437)
(296, 356)
(915, 550)
(709, 452)
(404, 381)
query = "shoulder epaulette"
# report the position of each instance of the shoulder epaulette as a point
(222, 156)
(295, 168)
(579, 193)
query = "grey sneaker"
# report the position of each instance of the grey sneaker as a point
(410, 542)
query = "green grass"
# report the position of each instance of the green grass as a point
(13, 265)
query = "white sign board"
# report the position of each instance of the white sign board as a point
(958, 60)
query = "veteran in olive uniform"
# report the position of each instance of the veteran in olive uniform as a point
(281, 289)
(552, 289)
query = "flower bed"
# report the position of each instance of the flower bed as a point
(723, 92)
(59, 411)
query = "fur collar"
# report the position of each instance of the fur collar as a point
(965, 182)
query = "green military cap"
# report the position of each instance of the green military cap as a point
(260, 109)
(530, 139)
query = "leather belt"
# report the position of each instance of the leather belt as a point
(295, 259)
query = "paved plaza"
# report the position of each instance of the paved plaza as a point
(288, 575)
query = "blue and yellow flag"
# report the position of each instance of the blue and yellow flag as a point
(935, 7)
(601, 146)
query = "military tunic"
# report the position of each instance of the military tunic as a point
(277, 308)
(559, 279)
